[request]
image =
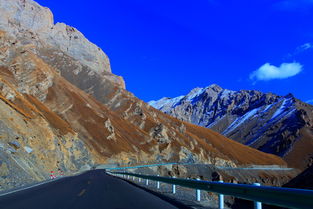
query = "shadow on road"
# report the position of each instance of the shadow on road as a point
(186, 205)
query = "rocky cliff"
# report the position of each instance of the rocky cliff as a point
(63, 108)
(281, 125)
(33, 24)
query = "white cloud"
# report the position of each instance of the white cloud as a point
(303, 48)
(269, 72)
(306, 46)
(310, 101)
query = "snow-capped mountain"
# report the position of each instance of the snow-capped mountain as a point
(281, 125)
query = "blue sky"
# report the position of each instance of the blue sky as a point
(166, 48)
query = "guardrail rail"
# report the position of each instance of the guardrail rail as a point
(278, 196)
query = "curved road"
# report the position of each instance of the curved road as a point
(90, 190)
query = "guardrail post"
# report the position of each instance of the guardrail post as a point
(284, 197)
(257, 205)
(198, 194)
(147, 182)
(158, 184)
(133, 178)
(221, 199)
(174, 187)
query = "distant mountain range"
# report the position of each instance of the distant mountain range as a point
(281, 125)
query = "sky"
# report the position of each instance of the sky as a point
(166, 48)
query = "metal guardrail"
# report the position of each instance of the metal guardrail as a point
(255, 167)
(278, 196)
(143, 166)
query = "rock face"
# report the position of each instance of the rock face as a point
(33, 24)
(58, 111)
(33, 139)
(279, 125)
(266, 176)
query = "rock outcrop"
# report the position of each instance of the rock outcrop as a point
(281, 125)
(33, 24)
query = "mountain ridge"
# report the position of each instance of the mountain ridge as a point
(265, 121)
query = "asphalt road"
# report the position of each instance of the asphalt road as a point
(90, 190)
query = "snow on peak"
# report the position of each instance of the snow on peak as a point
(195, 93)
(191, 96)
(286, 104)
(215, 86)
(165, 102)
(240, 120)
(227, 93)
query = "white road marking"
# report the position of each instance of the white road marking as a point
(25, 188)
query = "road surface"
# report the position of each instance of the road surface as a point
(90, 190)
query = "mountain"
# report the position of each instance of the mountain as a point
(61, 107)
(281, 125)
(33, 24)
